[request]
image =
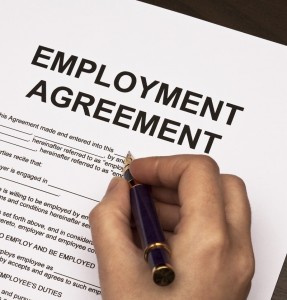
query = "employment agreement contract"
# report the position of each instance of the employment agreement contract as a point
(83, 83)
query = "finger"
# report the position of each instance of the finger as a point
(198, 182)
(160, 171)
(168, 215)
(110, 226)
(165, 195)
(237, 209)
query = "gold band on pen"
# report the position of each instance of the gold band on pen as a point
(163, 267)
(155, 246)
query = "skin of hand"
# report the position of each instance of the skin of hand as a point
(206, 220)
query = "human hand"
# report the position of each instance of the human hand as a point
(206, 218)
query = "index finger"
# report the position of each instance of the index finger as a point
(160, 171)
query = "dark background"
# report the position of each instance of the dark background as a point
(262, 18)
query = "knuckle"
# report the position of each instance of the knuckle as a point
(234, 181)
(207, 163)
(217, 242)
(93, 213)
(96, 215)
(245, 267)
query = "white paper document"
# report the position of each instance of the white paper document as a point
(83, 82)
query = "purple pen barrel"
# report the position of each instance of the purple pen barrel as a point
(156, 252)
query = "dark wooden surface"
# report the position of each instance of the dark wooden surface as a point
(280, 292)
(263, 18)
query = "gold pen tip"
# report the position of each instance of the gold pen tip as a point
(129, 156)
(128, 159)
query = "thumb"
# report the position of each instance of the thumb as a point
(111, 231)
(110, 219)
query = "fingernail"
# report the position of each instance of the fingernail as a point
(112, 184)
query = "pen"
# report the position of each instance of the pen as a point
(156, 251)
